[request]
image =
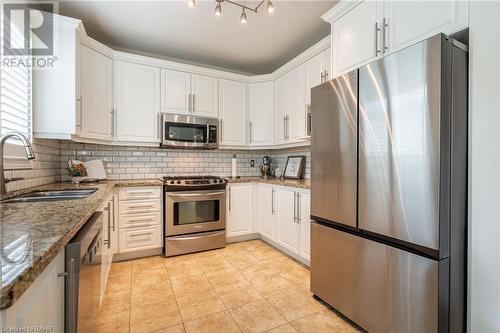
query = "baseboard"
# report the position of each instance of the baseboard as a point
(137, 254)
(242, 238)
(286, 251)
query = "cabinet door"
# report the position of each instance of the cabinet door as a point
(286, 223)
(355, 39)
(281, 104)
(137, 91)
(305, 225)
(265, 210)
(175, 92)
(42, 304)
(260, 112)
(96, 80)
(314, 74)
(239, 210)
(409, 22)
(296, 124)
(205, 96)
(232, 112)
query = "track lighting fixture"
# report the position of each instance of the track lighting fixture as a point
(270, 7)
(243, 17)
(218, 9)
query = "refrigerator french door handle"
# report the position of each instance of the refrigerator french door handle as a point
(384, 37)
(377, 30)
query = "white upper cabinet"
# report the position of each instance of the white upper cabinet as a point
(318, 71)
(281, 108)
(137, 99)
(296, 122)
(232, 112)
(356, 37)
(185, 93)
(176, 95)
(408, 22)
(366, 30)
(95, 116)
(204, 95)
(261, 113)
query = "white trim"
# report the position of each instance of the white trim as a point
(340, 9)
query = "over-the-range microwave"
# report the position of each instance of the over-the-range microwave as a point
(184, 131)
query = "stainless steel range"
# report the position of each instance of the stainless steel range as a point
(194, 213)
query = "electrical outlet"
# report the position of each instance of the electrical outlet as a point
(252, 163)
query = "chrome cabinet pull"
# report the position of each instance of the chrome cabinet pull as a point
(272, 202)
(294, 207)
(322, 77)
(377, 30)
(79, 124)
(112, 132)
(299, 219)
(108, 241)
(250, 131)
(384, 37)
(189, 103)
(229, 189)
(326, 75)
(141, 206)
(193, 102)
(220, 125)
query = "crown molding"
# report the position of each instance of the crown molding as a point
(339, 9)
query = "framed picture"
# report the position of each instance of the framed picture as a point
(294, 167)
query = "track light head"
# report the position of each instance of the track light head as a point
(192, 3)
(243, 17)
(218, 10)
(270, 7)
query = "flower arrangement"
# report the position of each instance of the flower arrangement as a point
(77, 170)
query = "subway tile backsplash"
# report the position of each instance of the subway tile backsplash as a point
(45, 167)
(131, 162)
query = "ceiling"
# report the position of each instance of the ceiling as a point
(194, 35)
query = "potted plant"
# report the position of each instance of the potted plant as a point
(77, 171)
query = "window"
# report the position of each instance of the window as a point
(15, 101)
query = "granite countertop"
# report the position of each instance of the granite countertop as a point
(38, 231)
(300, 183)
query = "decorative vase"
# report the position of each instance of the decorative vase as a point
(76, 180)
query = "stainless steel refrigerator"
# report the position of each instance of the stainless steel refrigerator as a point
(388, 190)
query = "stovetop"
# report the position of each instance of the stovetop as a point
(193, 182)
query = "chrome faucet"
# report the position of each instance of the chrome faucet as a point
(30, 155)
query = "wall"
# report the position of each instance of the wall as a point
(280, 157)
(484, 167)
(46, 166)
(128, 162)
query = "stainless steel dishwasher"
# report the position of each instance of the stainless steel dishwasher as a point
(83, 277)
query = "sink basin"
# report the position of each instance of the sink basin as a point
(52, 196)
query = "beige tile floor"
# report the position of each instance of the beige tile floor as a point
(245, 287)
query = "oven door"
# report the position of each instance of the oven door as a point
(194, 211)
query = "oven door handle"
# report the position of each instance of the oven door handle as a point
(204, 235)
(194, 195)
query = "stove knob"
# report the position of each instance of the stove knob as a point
(215, 181)
(221, 180)
(171, 182)
(178, 182)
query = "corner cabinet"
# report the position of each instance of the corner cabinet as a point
(42, 304)
(261, 113)
(137, 98)
(239, 209)
(233, 113)
(363, 31)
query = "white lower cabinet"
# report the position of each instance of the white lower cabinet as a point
(42, 305)
(239, 209)
(287, 234)
(281, 215)
(140, 222)
(265, 209)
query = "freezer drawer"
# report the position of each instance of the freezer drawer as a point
(381, 288)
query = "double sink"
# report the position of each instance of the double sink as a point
(52, 196)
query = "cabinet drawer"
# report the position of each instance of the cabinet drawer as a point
(140, 193)
(140, 206)
(140, 221)
(140, 239)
